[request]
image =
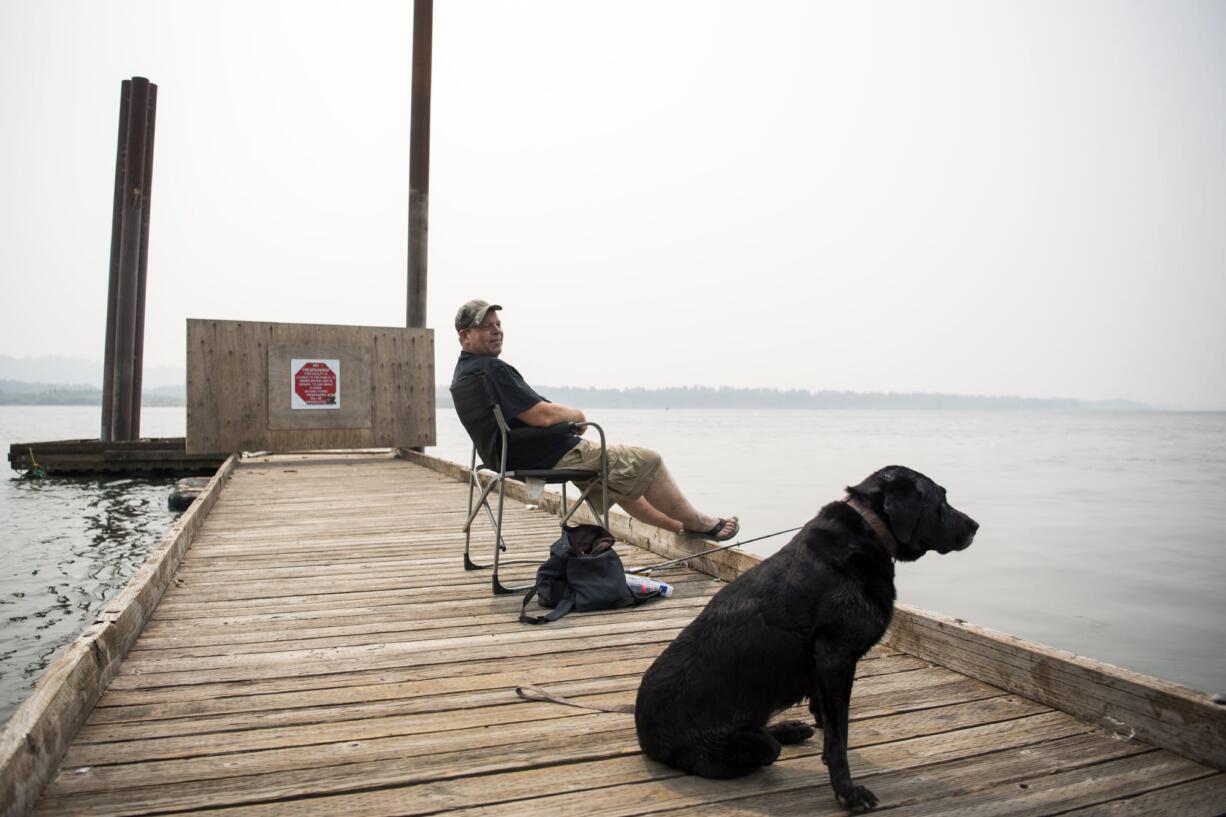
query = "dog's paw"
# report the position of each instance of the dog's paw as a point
(792, 731)
(857, 799)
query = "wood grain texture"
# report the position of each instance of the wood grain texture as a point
(238, 387)
(1121, 702)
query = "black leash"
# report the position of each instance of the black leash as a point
(650, 568)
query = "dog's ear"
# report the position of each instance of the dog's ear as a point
(903, 507)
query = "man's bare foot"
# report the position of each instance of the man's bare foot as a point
(721, 530)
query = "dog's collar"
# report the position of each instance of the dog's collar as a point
(874, 522)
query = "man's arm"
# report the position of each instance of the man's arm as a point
(546, 414)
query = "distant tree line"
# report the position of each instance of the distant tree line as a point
(699, 397)
(14, 392)
(18, 393)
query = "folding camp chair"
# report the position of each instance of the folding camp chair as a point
(482, 418)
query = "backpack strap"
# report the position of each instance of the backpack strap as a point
(564, 606)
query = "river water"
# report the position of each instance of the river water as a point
(1101, 532)
(69, 543)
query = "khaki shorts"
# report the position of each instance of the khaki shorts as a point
(631, 468)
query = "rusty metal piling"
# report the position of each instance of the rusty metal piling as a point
(419, 161)
(124, 347)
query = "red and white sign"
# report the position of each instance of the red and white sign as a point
(315, 384)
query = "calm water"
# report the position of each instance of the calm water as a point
(68, 544)
(1101, 532)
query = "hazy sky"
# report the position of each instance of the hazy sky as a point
(974, 197)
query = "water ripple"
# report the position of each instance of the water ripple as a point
(69, 544)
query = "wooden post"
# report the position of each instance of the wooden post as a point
(419, 161)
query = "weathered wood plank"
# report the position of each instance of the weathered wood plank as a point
(899, 741)
(185, 704)
(333, 698)
(131, 690)
(172, 636)
(565, 728)
(424, 614)
(353, 631)
(526, 638)
(531, 783)
(1174, 717)
(1204, 797)
(957, 787)
(888, 689)
(366, 712)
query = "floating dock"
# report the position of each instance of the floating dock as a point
(305, 641)
(154, 455)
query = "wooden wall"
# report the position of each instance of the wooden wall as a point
(239, 387)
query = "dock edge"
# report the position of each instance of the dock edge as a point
(37, 735)
(1126, 705)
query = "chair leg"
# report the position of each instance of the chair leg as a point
(499, 588)
(469, 564)
(495, 520)
(473, 482)
(584, 496)
(473, 510)
(596, 514)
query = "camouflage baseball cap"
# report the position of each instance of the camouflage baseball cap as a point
(472, 314)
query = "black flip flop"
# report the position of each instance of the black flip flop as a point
(716, 528)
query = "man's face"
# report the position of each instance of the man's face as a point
(485, 339)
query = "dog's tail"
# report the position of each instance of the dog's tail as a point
(535, 693)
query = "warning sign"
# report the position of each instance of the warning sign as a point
(316, 384)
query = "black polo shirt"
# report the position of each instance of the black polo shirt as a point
(515, 397)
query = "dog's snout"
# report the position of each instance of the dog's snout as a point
(971, 527)
(963, 530)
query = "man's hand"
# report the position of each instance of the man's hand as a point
(580, 428)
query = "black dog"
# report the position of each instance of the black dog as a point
(791, 628)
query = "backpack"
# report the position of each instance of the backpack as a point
(582, 573)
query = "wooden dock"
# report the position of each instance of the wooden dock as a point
(319, 650)
(155, 455)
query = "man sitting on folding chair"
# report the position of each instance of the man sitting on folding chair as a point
(638, 481)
